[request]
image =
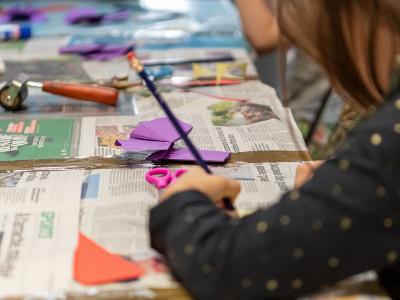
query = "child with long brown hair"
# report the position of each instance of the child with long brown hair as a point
(346, 219)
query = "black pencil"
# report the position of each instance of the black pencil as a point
(138, 67)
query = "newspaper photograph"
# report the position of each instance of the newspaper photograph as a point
(39, 219)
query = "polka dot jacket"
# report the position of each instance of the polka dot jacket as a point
(344, 221)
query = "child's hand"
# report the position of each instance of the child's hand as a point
(305, 172)
(215, 187)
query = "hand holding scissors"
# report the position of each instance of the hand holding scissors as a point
(162, 177)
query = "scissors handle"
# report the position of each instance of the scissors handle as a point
(160, 177)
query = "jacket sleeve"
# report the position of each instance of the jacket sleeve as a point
(346, 220)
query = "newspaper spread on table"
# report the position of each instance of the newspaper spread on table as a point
(39, 217)
(116, 204)
(221, 122)
(237, 118)
(40, 212)
(119, 66)
(43, 52)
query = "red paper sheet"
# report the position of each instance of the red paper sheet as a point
(94, 265)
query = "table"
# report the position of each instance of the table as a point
(215, 24)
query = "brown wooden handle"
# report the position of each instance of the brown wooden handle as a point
(101, 94)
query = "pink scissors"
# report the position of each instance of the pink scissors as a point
(162, 177)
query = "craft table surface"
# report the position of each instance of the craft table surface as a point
(224, 16)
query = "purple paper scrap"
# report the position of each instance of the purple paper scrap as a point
(92, 16)
(79, 49)
(160, 129)
(137, 145)
(22, 13)
(108, 52)
(82, 14)
(97, 51)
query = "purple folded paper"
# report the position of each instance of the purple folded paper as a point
(79, 49)
(136, 145)
(90, 15)
(97, 51)
(84, 14)
(186, 156)
(160, 129)
(159, 136)
(22, 13)
(108, 52)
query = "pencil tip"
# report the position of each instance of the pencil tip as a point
(131, 55)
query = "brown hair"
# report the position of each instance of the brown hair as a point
(326, 31)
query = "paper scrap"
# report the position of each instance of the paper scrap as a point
(22, 13)
(160, 129)
(94, 265)
(89, 15)
(138, 145)
(99, 52)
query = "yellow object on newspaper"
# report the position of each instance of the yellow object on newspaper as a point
(219, 71)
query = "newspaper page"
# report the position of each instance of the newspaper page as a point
(262, 183)
(115, 213)
(98, 134)
(116, 204)
(42, 137)
(238, 118)
(39, 217)
(117, 200)
(221, 121)
(35, 138)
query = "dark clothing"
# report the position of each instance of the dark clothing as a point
(344, 221)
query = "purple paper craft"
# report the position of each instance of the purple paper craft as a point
(159, 129)
(186, 155)
(159, 135)
(92, 16)
(136, 145)
(97, 51)
(108, 52)
(79, 49)
(22, 13)
(84, 14)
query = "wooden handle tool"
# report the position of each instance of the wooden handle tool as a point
(101, 94)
